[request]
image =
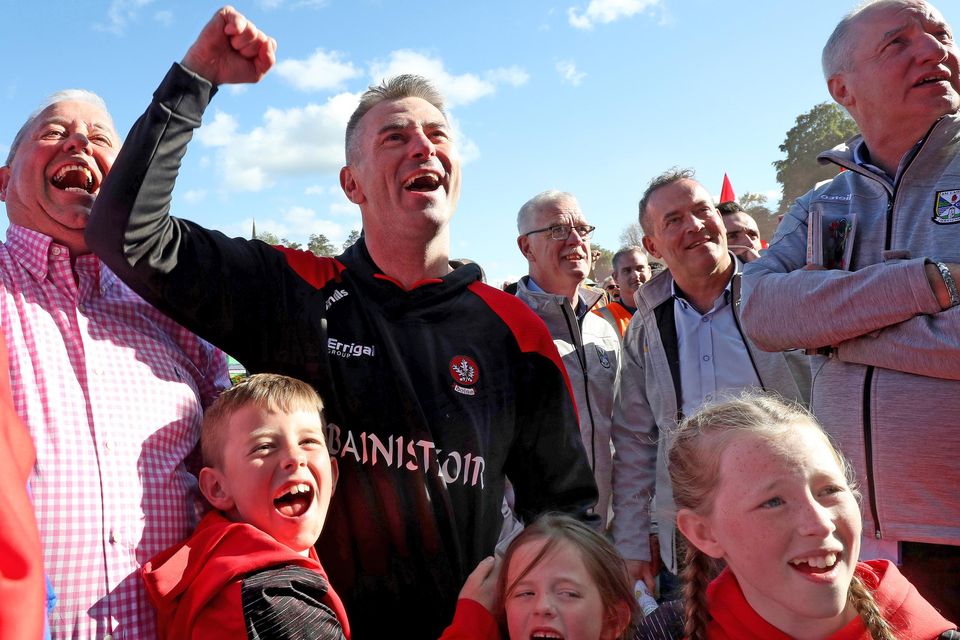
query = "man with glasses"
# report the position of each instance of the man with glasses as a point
(684, 348)
(555, 240)
(437, 387)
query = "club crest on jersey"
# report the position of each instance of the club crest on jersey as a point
(947, 207)
(604, 360)
(465, 374)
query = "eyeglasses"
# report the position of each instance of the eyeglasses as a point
(562, 231)
(612, 287)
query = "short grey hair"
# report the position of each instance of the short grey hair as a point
(67, 95)
(662, 180)
(397, 88)
(625, 251)
(838, 52)
(538, 202)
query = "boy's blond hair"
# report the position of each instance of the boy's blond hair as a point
(269, 391)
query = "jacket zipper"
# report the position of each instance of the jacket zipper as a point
(868, 377)
(576, 339)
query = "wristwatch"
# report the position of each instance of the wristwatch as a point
(950, 283)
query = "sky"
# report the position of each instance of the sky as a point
(594, 97)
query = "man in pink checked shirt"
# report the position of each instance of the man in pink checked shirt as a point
(111, 390)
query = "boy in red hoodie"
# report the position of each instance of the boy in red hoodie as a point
(250, 569)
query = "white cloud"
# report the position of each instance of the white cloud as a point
(120, 13)
(164, 17)
(514, 76)
(219, 132)
(194, 196)
(296, 224)
(773, 195)
(298, 141)
(296, 4)
(456, 89)
(605, 11)
(568, 72)
(324, 70)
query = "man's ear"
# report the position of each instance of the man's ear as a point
(524, 243)
(698, 531)
(214, 489)
(651, 246)
(334, 473)
(4, 180)
(350, 186)
(839, 91)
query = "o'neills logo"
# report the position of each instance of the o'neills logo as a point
(349, 349)
(406, 453)
(336, 295)
(465, 374)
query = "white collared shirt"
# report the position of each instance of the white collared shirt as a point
(714, 361)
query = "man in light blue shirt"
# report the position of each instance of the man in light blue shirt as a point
(684, 348)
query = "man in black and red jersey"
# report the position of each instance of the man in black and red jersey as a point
(438, 387)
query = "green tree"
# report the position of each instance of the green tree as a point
(351, 239)
(319, 245)
(823, 127)
(756, 205)
(268, 237)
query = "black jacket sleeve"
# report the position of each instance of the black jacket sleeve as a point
(223, 289)
(288, 603)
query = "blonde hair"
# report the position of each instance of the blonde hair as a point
(269, 391)
(694, 463)
(605, 565)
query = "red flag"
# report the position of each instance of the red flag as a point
(726, 193)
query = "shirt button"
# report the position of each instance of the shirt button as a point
(705, 319)
(108, 445)
(114, 539)
(55, 251)
(706, 358)
(108, 637)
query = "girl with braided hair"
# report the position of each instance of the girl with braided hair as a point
(760, 489)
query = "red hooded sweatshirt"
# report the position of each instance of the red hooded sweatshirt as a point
(196, 586)
(912, 617)
(21, 564)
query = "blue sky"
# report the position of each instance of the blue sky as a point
(594, 97)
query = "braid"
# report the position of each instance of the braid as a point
(862, 600)
(696, 575)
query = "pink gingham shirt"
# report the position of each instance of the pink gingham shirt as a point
(113, 393)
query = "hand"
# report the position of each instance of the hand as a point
(642, 570)
(230, 49)
(481, 585)
(745, 253)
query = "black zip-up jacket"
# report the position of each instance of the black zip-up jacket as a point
(433, 395)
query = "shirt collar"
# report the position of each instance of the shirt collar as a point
(581, 307)
(36, 252)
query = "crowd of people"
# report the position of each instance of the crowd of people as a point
(752, 442)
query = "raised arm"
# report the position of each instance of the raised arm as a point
(199, 277)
